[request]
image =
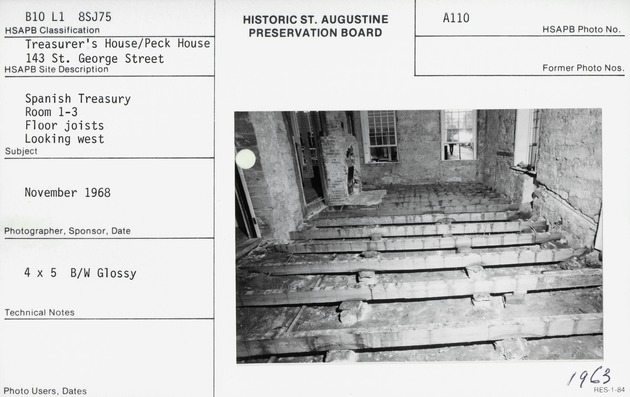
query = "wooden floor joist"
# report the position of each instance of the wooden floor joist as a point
(420, 230)
(324, 221)
(426, 202)
(437, 188)
(369, 211)
(417, 261)
(420, 334)
(442, 196)
(424, 289)
(416, 243)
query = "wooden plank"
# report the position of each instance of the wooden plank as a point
(420, 230)
(416, 243)
(424, 289)
(416, 189)
(470, 198)
(409, 219)
(421, 334)
(423, 202)
(417, 261)
(441, 194)
(288, 317)
(299, 313)
(419, 210)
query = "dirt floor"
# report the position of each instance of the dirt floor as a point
(445, 311)
(583, 347)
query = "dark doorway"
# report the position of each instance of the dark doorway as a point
(247, 233)
(306, 131)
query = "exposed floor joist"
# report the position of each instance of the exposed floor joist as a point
(393, 336)
(392, 262)
(442, 187)
(417, 243)
(425, 289)
(441, 202)
(415, 210)
(419, 230)
(323, 219)
(444, 195)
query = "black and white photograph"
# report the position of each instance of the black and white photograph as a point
(418, 235)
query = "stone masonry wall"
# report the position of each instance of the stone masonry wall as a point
(497, 154)
(569, 172)
(271, 182)
(340, 151)
(419, 154)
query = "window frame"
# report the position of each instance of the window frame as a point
(526, 137)
(534, 138)
(443, 134)
(367, 146)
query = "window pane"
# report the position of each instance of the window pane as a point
(459, 135)
(467, 151)
(468, 120)
(466, 135)
(382, 135)
(459, 151)
(451, 135)
(394, 153)
(380, 154)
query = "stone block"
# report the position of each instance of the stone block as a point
(475, 271)
(367, 277)
(369, 254)
(352, 312)
(481, 301)
(514, 299)
(513, 348)
(376, 236)
(368, 281)
(341, 356)
(348, 317)
(464, 249)
(350, 305)
(367, 274)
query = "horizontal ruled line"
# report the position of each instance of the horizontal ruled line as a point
(96, 36)
(109, 238)
(519, 75)
(520, 35)
(109, 158)
(103, 318)
(118, 75)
